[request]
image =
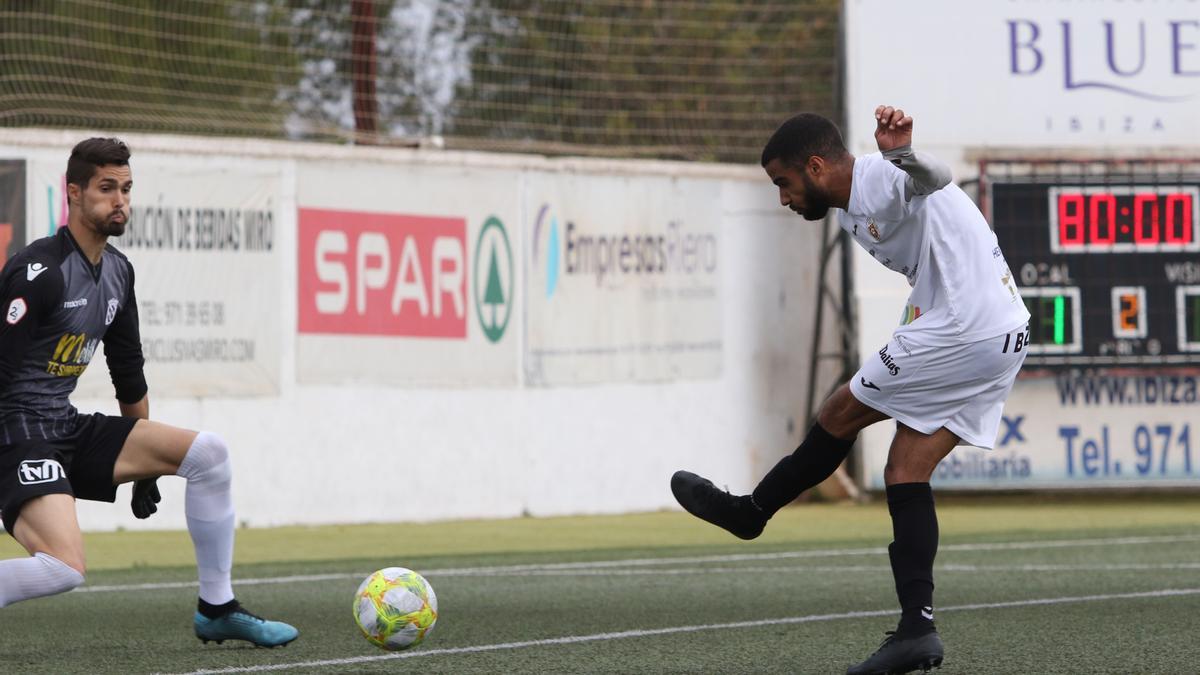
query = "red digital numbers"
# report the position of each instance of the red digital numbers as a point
(1124, 219)
(1179, 218)
(1103, 214)
(1070, 220)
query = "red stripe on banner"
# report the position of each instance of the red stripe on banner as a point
(6, 237)
(382, 274)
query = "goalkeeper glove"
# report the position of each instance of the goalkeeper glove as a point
(145, 497)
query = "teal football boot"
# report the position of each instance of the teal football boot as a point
(239, 624)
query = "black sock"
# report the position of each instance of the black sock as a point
(818, 456)
(915, 534)
(216, 611)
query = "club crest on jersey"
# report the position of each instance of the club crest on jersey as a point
(1007, 281)
(111, 313)
(873, 230)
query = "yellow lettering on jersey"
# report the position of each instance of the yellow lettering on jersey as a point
(63, 370)
(69, 347)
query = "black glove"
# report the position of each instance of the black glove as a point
(145, 497)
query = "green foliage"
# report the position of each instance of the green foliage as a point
(145, 65)
(674, 78)
(687, 79)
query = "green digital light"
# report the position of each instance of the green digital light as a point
(1195, 336)
(1059, 319)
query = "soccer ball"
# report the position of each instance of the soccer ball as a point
(395, 608)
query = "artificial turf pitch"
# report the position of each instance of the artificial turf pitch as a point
(1081, 585)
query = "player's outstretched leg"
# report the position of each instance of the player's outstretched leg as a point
(208, 506)
(745, 516)
(899, 654)
(737, 514)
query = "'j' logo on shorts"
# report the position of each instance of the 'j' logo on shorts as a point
(34, 471)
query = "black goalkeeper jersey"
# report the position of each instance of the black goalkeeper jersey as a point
(58, 308)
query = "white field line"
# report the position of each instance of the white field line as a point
(673, 630)
(670, 571)
(611, 567)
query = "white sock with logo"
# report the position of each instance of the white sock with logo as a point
(35, 576)
(208, 506)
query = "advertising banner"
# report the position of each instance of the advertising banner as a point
(412, 285)
(624, 279)
(1080, 430)
(12, 207)
(1026, 73)
(202, 240)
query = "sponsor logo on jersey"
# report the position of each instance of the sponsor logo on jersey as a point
(34, 471)
(17, 309)
(72, 304)
(72, 355)
(911, 314)
(111, 312)
(33, 270)
(889, 361)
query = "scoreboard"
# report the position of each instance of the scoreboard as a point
(1107, 257)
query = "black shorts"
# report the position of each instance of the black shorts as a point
(80, 464)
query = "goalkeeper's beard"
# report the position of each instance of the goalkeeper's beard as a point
(110, 226)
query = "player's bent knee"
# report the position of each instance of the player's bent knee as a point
(61, 575)
(895, 474)
(207, 458)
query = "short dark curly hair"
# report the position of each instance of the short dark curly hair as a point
(804, 136)
(87, 155)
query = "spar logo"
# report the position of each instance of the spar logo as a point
(493, 284)
(382, 274)
(401, 275)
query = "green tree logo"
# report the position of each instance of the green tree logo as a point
(492, 250)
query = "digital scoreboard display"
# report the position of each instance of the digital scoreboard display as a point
(1108, 262)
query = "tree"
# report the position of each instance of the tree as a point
(667, 78)
(149, 65)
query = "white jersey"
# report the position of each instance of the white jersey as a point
(962, 289)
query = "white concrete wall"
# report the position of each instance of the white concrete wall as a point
(362, 452)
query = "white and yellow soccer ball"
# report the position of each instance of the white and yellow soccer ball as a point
(395, 608)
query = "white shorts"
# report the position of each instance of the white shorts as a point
(960, 387)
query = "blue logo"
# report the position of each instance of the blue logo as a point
(1126, 60)
(553, 247)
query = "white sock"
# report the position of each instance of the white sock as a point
(33, 577)
(208, 505)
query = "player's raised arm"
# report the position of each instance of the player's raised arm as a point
(893, 135)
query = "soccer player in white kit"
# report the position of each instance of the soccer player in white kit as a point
(943, 376)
